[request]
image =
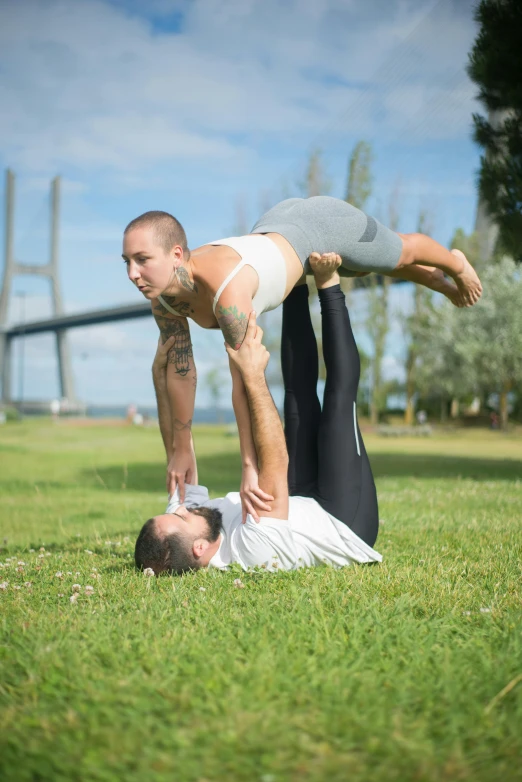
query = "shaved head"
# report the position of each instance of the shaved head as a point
(166, 229)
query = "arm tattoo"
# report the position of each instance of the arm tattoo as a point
(182, 307)
(233, 324)
(184, 278)
(179, 426)
(180, 353)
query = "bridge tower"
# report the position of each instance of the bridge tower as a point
(14, 268)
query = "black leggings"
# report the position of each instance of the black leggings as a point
(327, 457)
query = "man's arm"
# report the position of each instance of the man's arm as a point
(181, 380)
(251, 360)
(232, 311)
(253, 498)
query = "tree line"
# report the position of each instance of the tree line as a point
(452, 357)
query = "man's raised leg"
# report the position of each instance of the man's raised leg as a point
(345, 486)
(302, 410)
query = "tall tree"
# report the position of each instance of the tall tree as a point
(421, 298)
(495, 65)
(378, 321)
(489, 340)
(475, 351)
(440, 370)
(360, 181)
(315, 181)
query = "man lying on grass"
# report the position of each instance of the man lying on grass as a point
(331, 516)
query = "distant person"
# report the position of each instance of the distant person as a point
(494, 420)
(332, 515)
(422, 417)
(220, 283)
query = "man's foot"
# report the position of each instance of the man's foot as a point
(441, 284)
(467, 281)
(324, 268)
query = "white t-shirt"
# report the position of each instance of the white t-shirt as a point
(310, 535)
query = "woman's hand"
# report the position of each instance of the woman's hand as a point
(252, 497)
(182, 469)
(162, 355)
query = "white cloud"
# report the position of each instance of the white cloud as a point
(188, 117)
(89, 85)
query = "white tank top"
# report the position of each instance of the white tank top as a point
(265, 257)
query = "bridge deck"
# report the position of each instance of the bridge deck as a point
(59, 322)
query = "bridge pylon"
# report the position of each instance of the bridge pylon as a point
(13, 268)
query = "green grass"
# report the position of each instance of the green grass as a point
(386, 672)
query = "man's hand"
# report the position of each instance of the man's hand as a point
(181, 469)
(162, 354)
(253, 498)
(252, 357)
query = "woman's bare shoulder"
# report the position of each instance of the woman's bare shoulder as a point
(211, 264)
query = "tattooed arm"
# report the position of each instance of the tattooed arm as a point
(232, 312)
(234, 307)
(177, 409)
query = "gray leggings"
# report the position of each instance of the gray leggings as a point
(323, 224)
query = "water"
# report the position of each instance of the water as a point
(202, 415)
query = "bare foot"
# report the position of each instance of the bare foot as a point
(441, 284)
(324, 268)
(467, 281)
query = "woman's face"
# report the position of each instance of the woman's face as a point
(149, 267)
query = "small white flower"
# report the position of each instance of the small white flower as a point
(148, 572)
(88, 551)
(16, 586)
(89, 590)
(77, 573)
(238, 583)
(41, 556)
(76, 587)
(69, 572)
(4, 585)
(28, 584)
(467, 613)
(42, 548)
(108, 542)
(202, 589)
(20, 563)
(48, 554)
(59, 574)
(60, 594)
(31, 551)
(73, 598)
(485, 610)
(126, 539)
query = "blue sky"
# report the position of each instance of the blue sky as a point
(196, 107)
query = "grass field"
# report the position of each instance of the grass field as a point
(408, 670)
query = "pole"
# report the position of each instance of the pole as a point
(21, 365)
(65, 377)
(5, 344)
